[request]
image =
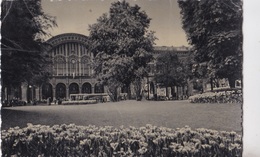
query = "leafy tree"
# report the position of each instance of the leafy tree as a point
(24, 24)
(214, 29)
(121, 43)
(171, 71)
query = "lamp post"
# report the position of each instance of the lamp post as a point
(30, 93)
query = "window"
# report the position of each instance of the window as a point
(73, 67)
(85, 66)
(60, 66)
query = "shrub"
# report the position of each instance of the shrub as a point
(218, 97)
(73, 140)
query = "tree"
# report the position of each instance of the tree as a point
(24, 25)
(214, 29)
(171, 71)
(121, 44)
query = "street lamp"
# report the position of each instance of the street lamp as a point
(31, 94)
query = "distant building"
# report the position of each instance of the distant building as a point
(72, 70)
(72, 67)
(153, 88)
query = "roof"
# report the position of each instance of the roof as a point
(67, 37)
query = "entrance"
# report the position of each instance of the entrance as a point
(60, 91)
(47, 91)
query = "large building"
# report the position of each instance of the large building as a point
(72, 70)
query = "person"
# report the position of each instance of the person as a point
(59, 101)
(49, 101)
(34, 102)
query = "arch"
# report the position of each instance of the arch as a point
(124, 89)
(47, 91)
(73, 66)
(60, 91)
(74, 88)
(86, 88)
(99, 88)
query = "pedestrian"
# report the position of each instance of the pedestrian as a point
(34, 102)
(49, 101)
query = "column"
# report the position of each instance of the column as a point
(80, 88)
(79, 59)
(37, 94)
(67, 93)
(93, 88)
(24, 92)
(66, 60)
(54, 92)
(40, 93)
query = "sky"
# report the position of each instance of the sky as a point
(75, 16)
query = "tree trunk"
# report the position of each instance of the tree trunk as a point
(128, 92)
(211, 84)
(138, 88)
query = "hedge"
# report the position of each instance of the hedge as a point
(73, 140)
(218, 97)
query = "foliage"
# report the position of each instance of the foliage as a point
(73, 140)
(171, 71)
(24, 25)
(214, 29)
(234, 96)
(121, 44)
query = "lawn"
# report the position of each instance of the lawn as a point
(171, 114)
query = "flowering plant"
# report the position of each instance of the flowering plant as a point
(218, 97)
(74, 140)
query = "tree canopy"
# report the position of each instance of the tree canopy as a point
(171, 71)
(24, 24)
(214, 29)
(121, 43)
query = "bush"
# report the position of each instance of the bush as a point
(73, 140)
(218, 97)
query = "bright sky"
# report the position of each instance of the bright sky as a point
(74, 16)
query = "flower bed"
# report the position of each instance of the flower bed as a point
(73, 140)
(218, 97)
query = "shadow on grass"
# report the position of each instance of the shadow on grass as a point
(13, 118)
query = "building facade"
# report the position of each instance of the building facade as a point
(72, 67)
(153, 89)
(72, 71)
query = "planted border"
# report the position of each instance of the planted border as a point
(218, 97)
(73, 140)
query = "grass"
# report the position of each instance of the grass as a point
(172, 114)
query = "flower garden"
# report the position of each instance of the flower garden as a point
(234, 96)
(75, 140)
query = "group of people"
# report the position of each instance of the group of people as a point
(56, 101)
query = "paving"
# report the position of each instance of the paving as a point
(171, 114)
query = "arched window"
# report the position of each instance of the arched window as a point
(60, 91)
(86, 88)
(73, 66)
(73, 88)
(85, 66)
(60, 66)
(46, 91)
